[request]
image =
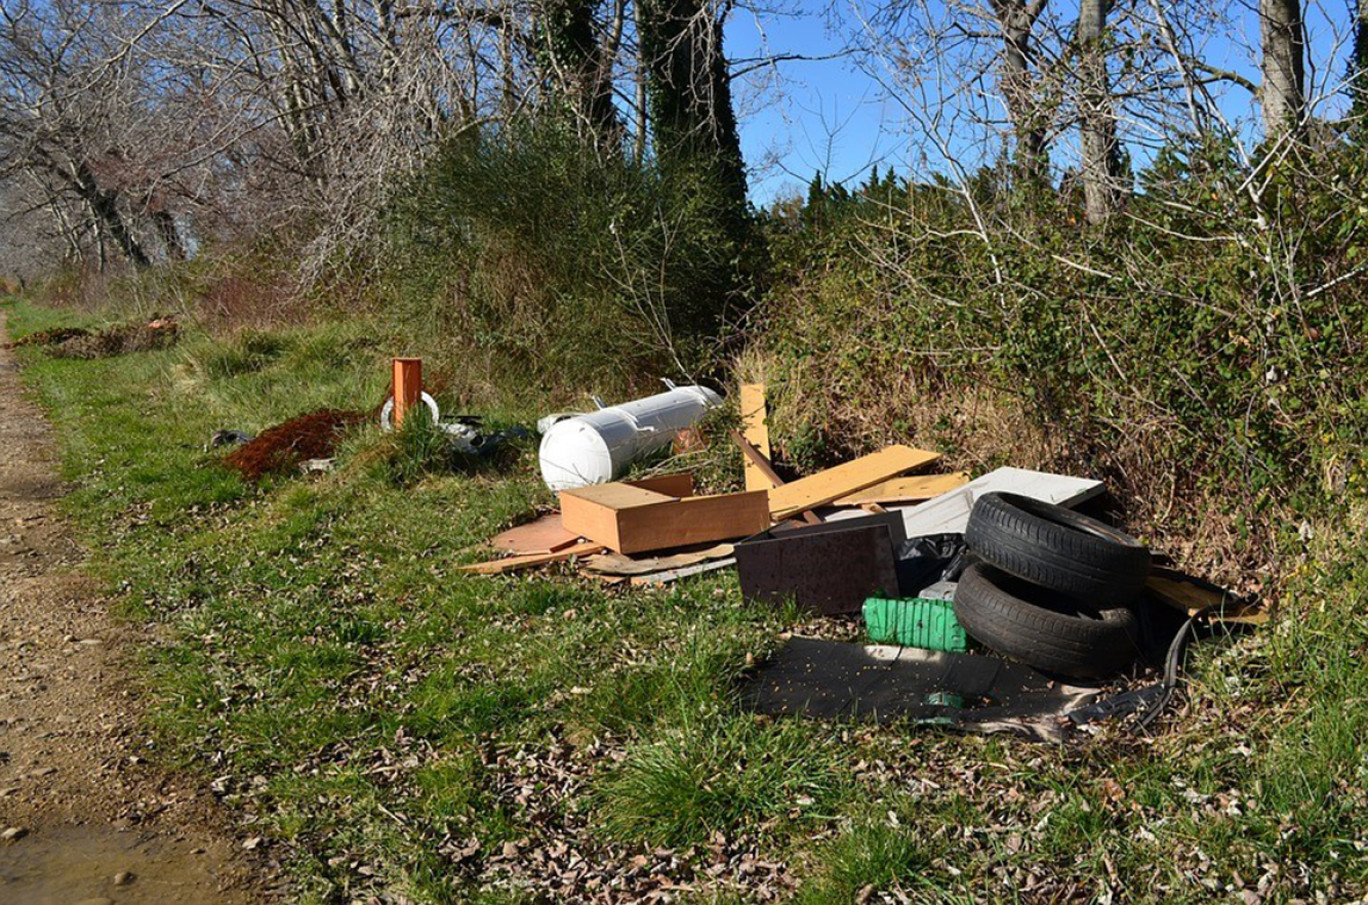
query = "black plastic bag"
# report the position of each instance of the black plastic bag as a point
(923, 561)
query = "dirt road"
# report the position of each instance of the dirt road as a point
(86, 813)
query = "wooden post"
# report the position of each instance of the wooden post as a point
(757, 434)
(408, 386)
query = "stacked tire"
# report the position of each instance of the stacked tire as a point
(1051, 588)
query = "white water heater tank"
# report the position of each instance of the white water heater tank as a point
(597, 448)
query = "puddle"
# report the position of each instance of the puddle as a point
(76, 865)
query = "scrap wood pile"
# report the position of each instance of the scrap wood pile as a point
(991, 604)
(50, 337)
(159, 333)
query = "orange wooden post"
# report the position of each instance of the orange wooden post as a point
(408, 386)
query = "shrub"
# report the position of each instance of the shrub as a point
(530, 256)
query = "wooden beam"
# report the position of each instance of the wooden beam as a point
(906, 490)
(753, 421)
(407, 386)
(1193, 596)
(757, 460)
(844, 480)
(512, 563)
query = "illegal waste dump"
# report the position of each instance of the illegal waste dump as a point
(988, 605)
(993, 603)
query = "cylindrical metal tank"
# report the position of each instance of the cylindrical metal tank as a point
(597, 447)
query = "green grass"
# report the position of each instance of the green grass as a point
(376, 711)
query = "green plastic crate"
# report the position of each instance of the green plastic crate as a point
(915, 622)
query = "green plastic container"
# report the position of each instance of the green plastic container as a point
(914, 622)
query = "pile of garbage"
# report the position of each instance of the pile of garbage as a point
(989, 605)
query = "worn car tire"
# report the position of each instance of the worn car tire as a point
(1058, 549)
(1055, 634)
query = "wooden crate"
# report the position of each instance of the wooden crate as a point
(660, 513)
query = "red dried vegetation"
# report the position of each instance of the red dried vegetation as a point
(285, 446)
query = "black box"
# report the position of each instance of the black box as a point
(829, 568)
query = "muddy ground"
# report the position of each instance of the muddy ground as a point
(89, 813)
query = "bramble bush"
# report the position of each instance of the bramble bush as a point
(1201, 352)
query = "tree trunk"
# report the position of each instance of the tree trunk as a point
(104, 208)
(574, 62)
(1097, 118)
(690, 92)
(165, 222)
(1358, 77)
(1284, 65)
(1017, 18)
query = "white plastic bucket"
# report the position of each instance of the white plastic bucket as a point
(597, 447)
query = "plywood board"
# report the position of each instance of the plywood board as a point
(545, 535)
(843, 480)
(914, 489)
(513, 563)
(616, 495)
(949, 512)
(676, 485)
(755, 429)
(669, 575)
(1193, 596)
(619, 564)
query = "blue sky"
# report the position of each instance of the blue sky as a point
(828, 115)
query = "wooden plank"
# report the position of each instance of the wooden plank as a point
(949, 512)
(545, 535)
(914, 489)
(407, 387)
(512, 563)
(755, 459)
(1192, 596)
(676, 485)
(756, 428)
(619, 564)
(669, 575)
(692, 520)
(844, 480)
(759, 461)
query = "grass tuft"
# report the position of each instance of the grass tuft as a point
(719, 775)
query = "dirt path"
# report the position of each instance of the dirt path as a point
(84, 817)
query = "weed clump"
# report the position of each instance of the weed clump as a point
(287, 445)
